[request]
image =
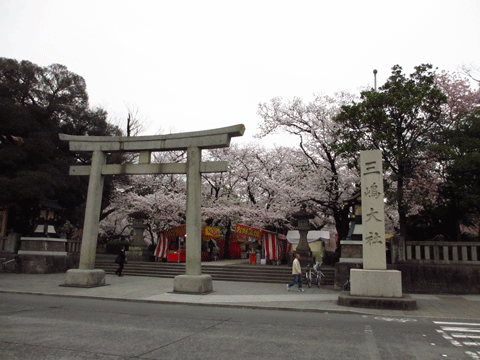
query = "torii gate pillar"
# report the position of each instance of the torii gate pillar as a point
(193, 281)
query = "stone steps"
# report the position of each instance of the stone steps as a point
(219, 271)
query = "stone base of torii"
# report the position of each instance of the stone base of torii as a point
(193, 281)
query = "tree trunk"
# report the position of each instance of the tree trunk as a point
(402, 208)
(341, 225)
(456, 232)
(226, 253)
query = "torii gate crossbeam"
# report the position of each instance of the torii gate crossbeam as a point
(193, 142)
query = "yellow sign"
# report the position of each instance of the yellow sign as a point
(248, 231)
(211, 232)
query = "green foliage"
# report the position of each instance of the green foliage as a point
(398, 119)
(151, 248)
(401, 120)
(431, 222)
(37, 103)
(459, 150)
(114, 247)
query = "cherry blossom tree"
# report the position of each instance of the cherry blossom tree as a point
(254, 191)
(462, 98)
(161, 197)
(325, 178)
(262, 188)
(472, 71)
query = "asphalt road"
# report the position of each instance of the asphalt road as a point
(49, 327)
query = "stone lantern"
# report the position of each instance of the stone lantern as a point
(48, 216)
(138, 248)
(303, 226)
(44, 252)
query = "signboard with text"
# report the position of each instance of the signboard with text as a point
(208, 232)
(247, 231)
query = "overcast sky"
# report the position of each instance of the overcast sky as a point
(197, 65)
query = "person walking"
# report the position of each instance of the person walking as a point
(297, 274)
(121, 259)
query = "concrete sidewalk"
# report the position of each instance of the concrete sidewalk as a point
(236, 294)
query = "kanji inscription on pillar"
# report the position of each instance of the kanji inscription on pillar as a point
(373, 212)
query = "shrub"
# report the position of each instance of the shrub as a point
(113, 247)
(151, 248)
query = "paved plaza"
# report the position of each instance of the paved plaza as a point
(235, 294)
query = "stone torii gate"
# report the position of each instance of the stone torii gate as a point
(193, 142)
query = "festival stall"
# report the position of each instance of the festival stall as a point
(171, 242)
(316, 240)
(264, 246)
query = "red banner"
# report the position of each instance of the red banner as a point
(178, 231)
(208, 232)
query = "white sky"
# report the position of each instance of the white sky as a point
(197, 65)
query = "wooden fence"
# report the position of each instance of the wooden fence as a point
(434, 252)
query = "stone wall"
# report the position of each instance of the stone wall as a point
(352, 251)
(426, 279)
(439, 279)
(38, 264)
(342, 272)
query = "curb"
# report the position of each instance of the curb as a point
(163, 302)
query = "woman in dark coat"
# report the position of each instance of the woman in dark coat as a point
(121, 260)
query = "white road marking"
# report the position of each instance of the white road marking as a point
(455, 323)
(462, 331)
(401, 320)
(371, 344)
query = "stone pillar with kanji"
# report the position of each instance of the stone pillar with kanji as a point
(374, 279)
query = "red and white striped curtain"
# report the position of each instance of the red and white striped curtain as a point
(162, 247)
(289, 247)
(271, 251)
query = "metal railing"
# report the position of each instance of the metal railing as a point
(434, 252)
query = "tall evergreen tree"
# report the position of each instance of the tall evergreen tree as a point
(36, 104)
(400, 119)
